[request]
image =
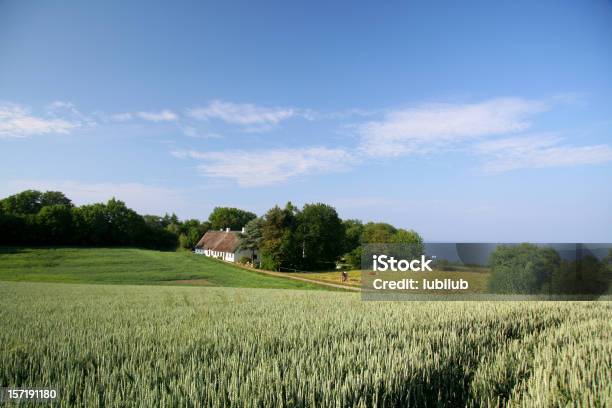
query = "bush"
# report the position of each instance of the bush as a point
(268, 262)
(522, 269)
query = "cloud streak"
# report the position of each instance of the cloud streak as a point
(248, 115)
(17, 122)
(427, 127)
(267, 167)
(538, 151)
(165, 115)
(162, 116)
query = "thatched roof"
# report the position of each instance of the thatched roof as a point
(222, 241)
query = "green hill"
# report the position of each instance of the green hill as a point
(130, 266)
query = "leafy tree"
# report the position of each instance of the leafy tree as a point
(184, 241)
(194, 236)
(55, 198)
(159, 238)
(522, 269)
(607, 263)
(586, 276)
(126, 226)
(56, 224)
(353, 231)
(170, 219)
(403, 236)
(353, 258)
(189, 239)
(321, 234)
(175, 228)
(251, 238)
(111, 224)
(352, 242)
(411, 241)
(232, 218)
(190, 232)
(154, 221)
(193, 223)
(26, 202)
(204, 226)
(32, 201)
(14, 230)
(378, 232)
(278, 245)
(33, 218)
(92, 225)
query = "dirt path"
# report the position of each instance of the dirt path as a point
(333, 285)
(285, 276)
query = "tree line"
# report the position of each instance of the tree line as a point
(50, 218)
(289, 238)
(315, 238)
(529, 269)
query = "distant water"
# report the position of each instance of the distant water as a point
(478, 253)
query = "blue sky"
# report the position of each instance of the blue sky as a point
(466, 121)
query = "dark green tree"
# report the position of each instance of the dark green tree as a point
(227, 217)
(522, 269)
(378, 233)
(55, 224)
(251, 238)
(50, 218)
(26, 202)
(279, 248)
(321, 235)
(411, 243)
(126, 226)
(353, 230)
(352, 242)
(55, 198)
(92, 225)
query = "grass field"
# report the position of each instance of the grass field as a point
(130, 266)
(109, 345)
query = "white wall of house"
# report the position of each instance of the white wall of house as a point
(226, 256)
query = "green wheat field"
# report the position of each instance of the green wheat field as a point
(111, 345)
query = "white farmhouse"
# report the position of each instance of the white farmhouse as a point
(222, 245)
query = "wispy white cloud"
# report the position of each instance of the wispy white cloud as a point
(251, 116)
(17, 122)
(424, 128)
(538, 151)
(165, 115)
(268, 167)
(69, 111)
(121, 117)
(192, 131)
(56, 107)
(162, 116)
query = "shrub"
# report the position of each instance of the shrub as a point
(522, 269)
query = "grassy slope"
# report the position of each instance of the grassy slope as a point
(129, 266)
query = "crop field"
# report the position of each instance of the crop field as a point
(130, 266)
(110, 345)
